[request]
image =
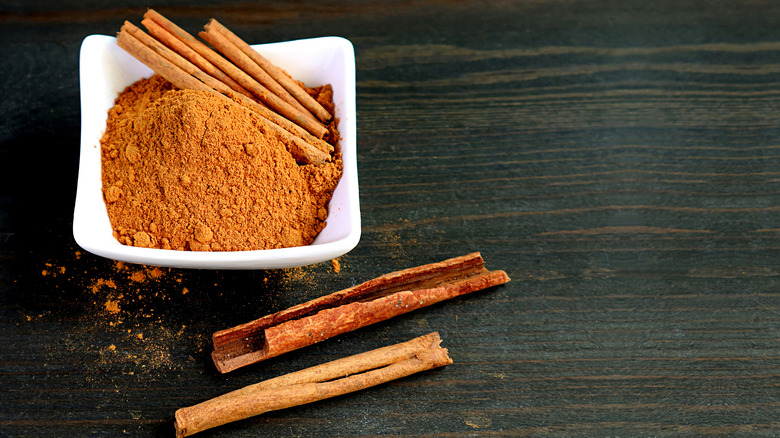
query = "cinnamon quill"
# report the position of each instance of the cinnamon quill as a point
(265, 87)
(184, 74)
(373, 301)
(320, 382)
(190, 48)
(245, 77)
(187, 52)
(272, 70)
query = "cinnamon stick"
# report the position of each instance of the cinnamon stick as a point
(169, 31)
(166, 31)
(159, 64)
(176, 59)
(175, 44)
(275, 72)
(264, 87)
(185, 75)
(370, 302)
(244, 60)
(324, 381)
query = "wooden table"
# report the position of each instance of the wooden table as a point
(620, 160)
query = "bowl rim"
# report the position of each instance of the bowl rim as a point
(349, 211)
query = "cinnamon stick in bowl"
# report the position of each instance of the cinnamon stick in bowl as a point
(184, 74)
(373, 301)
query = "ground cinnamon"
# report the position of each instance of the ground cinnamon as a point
(190, 170)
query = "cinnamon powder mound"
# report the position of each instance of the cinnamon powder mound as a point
(187, 170)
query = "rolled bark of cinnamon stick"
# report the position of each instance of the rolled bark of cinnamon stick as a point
(274, 71)
(240, 58)
(261, 87)
(153, 20)
(185, 75)
(178, 46)
(156, 62)
(176, 59)
(324, 381)
(373, 301)
(156, 21)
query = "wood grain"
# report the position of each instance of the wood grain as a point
(619, 160)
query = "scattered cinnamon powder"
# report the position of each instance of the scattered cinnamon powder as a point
(186, 170)
(112, 306)
(138, 276)
(128, 290)
(100, 282)
(52, 270)
(142, 337)
(335, 265)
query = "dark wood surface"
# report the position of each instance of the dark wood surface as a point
(620, 160)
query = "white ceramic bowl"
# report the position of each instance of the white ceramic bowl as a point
(106, 70)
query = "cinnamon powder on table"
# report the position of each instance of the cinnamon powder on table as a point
(187, 170)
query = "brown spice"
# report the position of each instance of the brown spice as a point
(184, 74)
(185, 170)
(335, 265)
(320, 382)
(100, 282)
(349, 309)
(112, 306)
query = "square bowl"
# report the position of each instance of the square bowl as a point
(106, 70)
